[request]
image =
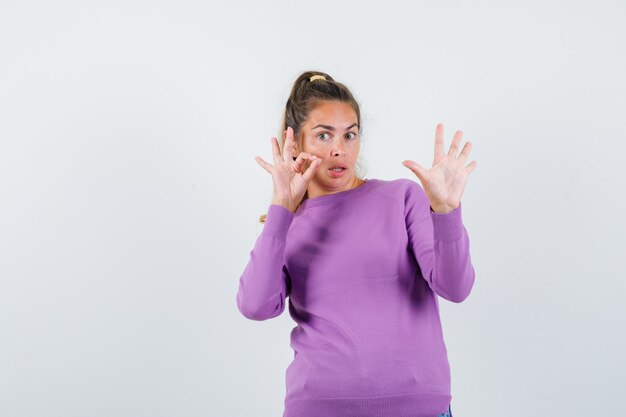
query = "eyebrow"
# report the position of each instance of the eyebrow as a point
(332, 128)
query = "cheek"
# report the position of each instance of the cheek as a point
(316, 151)
(310, 147)
(355, 150)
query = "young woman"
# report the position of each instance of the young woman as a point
(363, 262)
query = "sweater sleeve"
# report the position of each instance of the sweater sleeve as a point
(440, 244)
(265, 281)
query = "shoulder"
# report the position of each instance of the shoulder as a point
(401, 189)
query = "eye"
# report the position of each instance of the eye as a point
(351, 133)
(321, 134)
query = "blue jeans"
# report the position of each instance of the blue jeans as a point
(447, 413)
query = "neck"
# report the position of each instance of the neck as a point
(315, 190)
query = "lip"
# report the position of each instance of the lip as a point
(337, 174)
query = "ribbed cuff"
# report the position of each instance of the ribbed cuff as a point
(447, 226)
(403, 405)
(277, 221)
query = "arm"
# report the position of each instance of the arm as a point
(265, 282)
(441, 246)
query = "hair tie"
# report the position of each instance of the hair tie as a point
(317, 77)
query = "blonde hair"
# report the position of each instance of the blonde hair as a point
(308, 90)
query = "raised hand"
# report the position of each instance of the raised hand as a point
(290, 183)
(444, 182)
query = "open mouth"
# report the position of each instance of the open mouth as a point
(337, 171)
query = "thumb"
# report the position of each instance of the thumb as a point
(308, 174)
(417, 169)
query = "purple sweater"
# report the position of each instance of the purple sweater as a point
(362, 269)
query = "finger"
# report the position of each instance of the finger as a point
(454, 146)
(417, 169)
(439, 152)
(288, 146)
(465, 151)
(471, 167)
(311, 171)
(276, 151)
(302, 158)
(264, 165)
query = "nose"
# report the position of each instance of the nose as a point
(338, 149)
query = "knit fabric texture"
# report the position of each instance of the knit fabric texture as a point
(361, 271)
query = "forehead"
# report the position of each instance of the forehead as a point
(332, 113)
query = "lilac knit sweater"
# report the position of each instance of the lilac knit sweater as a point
(362, 269)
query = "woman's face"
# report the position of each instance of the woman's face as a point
(331, 132)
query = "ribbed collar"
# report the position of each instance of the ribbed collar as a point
(336, 197)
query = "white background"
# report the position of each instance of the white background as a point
(130, 198)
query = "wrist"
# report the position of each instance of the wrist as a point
(285, 203)
(443, 209)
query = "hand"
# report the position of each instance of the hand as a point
(444, 183)
(290, 183)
